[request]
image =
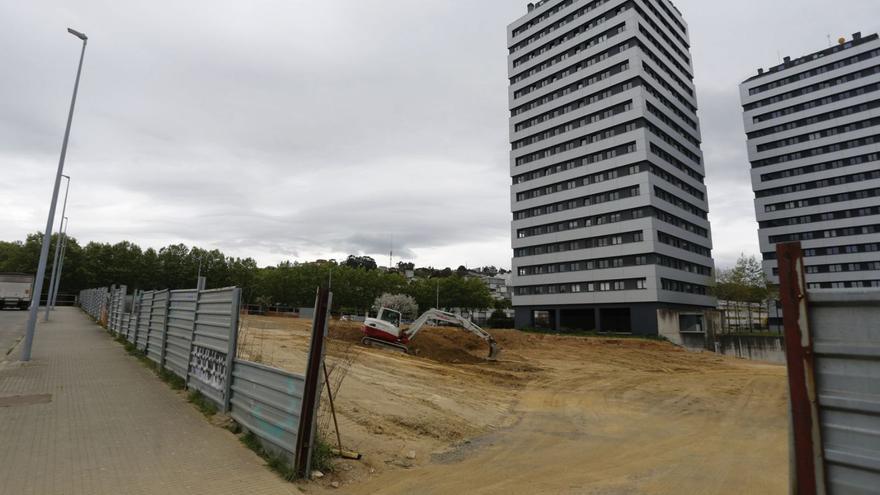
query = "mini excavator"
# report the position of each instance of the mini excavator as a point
(385, 330)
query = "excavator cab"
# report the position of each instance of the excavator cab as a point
(389, 316)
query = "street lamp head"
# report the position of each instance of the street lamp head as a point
(77, 34)
(65, 176)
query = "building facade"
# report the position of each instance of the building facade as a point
(813, 130)
(608, 198)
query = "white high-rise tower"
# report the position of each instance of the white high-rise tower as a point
(610, 228)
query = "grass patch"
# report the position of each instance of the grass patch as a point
(173, 381)
(203, 404)
(131, 348)
(275, 462)
(142, 357)
(322, 456)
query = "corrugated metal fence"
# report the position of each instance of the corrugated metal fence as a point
(846, 346)
(193, 334)
(268, 402)
(95, 302)
(832, 341)
(156, 327)
(180, 323)
(215, 334)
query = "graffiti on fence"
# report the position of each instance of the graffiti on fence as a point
(209, 366)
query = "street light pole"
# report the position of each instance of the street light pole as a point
(53, 294)
(57, 249)
(47, 235)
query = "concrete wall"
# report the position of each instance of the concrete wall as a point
(755, 348)
(667, 326)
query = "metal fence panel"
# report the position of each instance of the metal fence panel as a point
(117, 307)
(143, 326)
(156, 336)
(94, 301)
(213, 345)
(135, 316)
(213, 317)
(267, 402)
(846, 344)
(181, 320)
(123, 331)
(111, 320)
(119, 310)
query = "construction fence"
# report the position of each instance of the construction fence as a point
(193, 334)
(833, 358)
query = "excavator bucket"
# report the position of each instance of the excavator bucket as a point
(494, 351)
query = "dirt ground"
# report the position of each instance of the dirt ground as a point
(555, 415)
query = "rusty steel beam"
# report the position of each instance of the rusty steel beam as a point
(808, 477)
(306, 435)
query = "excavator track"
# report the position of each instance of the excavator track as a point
(371, 342)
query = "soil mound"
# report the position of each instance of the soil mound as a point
(441, 344)
(347, 331)
(450, 345)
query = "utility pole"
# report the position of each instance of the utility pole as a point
(53, 295)
(47, 235)
(57, 249)
(438, 295)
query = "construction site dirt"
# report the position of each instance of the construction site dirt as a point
(555, 414)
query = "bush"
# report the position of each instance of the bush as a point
(202, 403)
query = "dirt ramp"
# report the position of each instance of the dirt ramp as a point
(441, 344)
(449, 345)
(346, 331)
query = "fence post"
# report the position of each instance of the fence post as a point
(164, 329)
(192, 336)
(305, 441)
(136, 314)
(111, 311)
(150, 324)
(808, 475)
(234, 310)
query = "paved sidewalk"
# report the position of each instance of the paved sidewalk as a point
(12, 325)
(91, 419)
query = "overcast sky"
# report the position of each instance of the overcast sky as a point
(303, 130)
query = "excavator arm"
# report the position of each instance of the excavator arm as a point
(437, 315)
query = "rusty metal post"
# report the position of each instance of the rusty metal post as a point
(808, 477)
(306, 436)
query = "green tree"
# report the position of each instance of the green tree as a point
(360, 262)
(743, 285)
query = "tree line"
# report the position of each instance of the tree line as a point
(744, 287)
(356, 281)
